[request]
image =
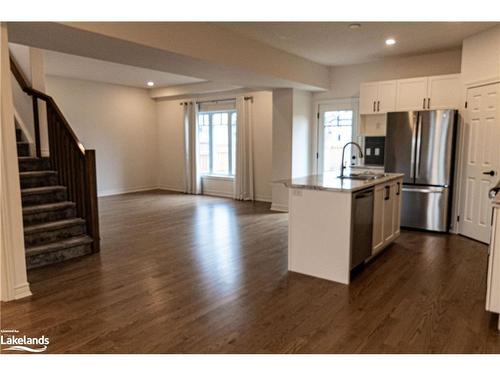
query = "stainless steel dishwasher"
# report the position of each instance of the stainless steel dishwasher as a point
(362, 226)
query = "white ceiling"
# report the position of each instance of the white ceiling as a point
(333, 43)
(72, 66)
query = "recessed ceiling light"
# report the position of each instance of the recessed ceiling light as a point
(390, 41)
(354, 26)
(151, 83)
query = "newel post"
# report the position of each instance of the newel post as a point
(91, 204)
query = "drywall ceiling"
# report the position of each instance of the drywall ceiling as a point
(71, 66)
(334, 43)
(201, 50)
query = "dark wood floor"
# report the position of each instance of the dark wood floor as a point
(186, 274)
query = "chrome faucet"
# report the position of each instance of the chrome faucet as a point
(342, 166)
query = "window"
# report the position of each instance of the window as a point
(217, 142)
(336, 127)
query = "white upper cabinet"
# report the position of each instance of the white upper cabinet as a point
(377, 97)
(368, 96)
(444, 92)
(412, 94)
(386, 97)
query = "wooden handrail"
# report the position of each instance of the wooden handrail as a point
(75, 165)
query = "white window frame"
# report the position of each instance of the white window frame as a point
(211, 174)
(349, 104)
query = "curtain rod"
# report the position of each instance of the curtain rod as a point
(217, 100)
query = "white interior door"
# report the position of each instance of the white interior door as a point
(481, 160)
(337, 125)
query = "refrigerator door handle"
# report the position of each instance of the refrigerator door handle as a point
(413, 145)
(418, 146)
(435, 190)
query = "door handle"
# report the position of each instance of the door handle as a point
(423, 104)
(428, 103)
(378, 106)
(491, 173)
(374, 105)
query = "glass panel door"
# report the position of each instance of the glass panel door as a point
(336, 127)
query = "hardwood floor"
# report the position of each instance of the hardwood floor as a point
(192, 274)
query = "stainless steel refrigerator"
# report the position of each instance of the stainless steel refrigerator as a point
(422, 146)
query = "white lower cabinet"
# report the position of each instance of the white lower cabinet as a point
(493, 281)
(386, 214)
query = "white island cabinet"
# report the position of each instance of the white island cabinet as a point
(336, 224)
(493, 281)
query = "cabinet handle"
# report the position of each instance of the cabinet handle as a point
(378, 106)
(374, 105)
(428, 103)
(399, 188)
(387, 193)
(423, 105)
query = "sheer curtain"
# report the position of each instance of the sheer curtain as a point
(243, 181)
(192, 176)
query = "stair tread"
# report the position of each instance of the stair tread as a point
(52, 225)
(59, 245)
(47, 207)
(22, 158)
(42, 189)
(37, 173)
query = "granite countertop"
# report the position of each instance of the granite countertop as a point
(374, 167)
(330, 182)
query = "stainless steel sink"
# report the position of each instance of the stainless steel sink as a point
(363, 176)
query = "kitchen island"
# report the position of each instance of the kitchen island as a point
(336, 224)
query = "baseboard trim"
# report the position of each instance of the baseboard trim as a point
(215, 193)
(279, 207)
(107, 193)
(266, 199)
(22, 291)
(171, 188)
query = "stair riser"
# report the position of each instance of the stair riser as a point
(48, 216)
(23, 149)
(41, 238)
(52, 197)
(40, 260)
(38, 181)
(19, 135)
(34, 165)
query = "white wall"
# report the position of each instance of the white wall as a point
(282, 145)
(119, 123)
(292, 140)
(345, 80)
(481, 57)
(13, 278)
(302, 133)
(23, 104)
(171, 150)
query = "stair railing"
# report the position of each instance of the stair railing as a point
(75, 165)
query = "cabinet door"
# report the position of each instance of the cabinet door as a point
(411, 94)
(493, 281)
(388, 226)
(444, 92)
(368, 96)
(378, 219)
(396, 216)
(386, 97)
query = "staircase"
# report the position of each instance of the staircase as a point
(52, 230)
